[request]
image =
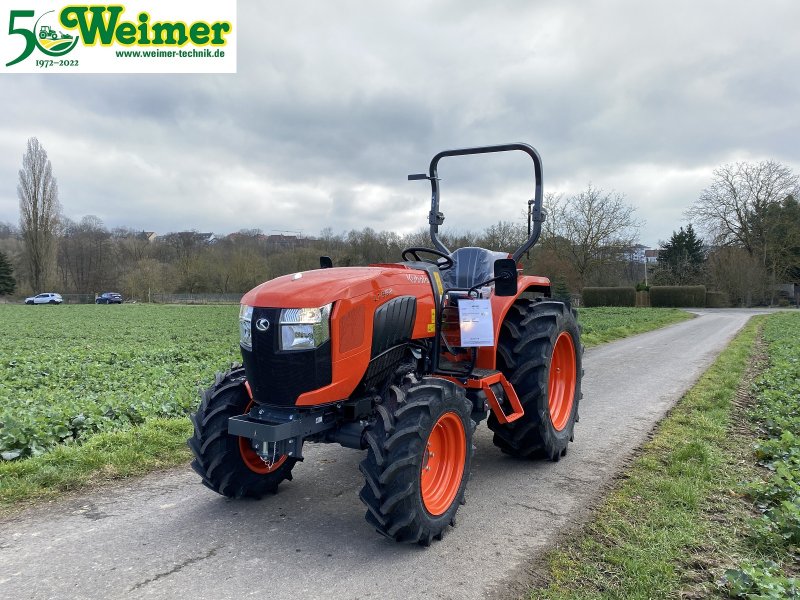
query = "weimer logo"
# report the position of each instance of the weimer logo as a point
(123, 38)
(42, 36)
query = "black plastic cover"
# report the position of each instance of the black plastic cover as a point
(278, 377)
(393, 323)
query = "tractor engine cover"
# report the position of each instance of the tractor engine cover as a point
(373, 310)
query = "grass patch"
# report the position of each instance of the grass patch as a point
(677, 518)
(606, 324)
(156, 444)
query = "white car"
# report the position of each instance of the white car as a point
(46, 298)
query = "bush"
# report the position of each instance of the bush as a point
(678, 295)
(609, 296)
(717, 300)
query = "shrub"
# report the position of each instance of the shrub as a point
(609, 296)
(678, 295)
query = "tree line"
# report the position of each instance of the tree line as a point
(751, 216)
(749, 213)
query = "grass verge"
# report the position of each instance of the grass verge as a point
(156, 444)
(606, 324)
(677, 518)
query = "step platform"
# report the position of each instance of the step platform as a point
(500, 394)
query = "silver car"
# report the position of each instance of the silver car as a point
(45, 298)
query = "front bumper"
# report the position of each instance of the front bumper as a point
(281, 431)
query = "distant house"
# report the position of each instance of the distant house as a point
(150, 236)
(651, 256)
(640, 253)
(637, 253)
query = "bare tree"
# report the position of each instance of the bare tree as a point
(85, 256)
(591, 230)
(503, 236)
(735, 207)
(39, 211)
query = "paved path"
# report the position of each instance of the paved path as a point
(166, 536)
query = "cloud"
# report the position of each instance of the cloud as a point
(335, 103)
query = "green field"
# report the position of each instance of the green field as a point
(82, 388)
(608, 323)
(70, 371)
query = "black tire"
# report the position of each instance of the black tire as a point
(524, 354)
(29, 302)
(52, 302)
(218, 456)
(399, 442)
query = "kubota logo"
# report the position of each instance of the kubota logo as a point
(57, 32)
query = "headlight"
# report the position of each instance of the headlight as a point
(305, 328)
(245, 328)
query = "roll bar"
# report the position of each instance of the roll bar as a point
(436, 218)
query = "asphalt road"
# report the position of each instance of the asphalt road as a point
(166, 536)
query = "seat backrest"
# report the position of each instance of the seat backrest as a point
(471, 266)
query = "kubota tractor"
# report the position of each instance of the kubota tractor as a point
(401, 360)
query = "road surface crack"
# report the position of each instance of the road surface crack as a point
(175, 569)
(540, 509)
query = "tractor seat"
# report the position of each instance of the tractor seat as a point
(471, 266)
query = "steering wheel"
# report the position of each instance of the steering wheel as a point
(443, 266)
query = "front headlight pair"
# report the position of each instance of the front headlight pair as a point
(300, 328)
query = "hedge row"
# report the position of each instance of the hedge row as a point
(694, 296)
(609, 296)
(678, 295)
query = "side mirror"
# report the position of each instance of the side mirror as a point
(505, 272)
(325, 262)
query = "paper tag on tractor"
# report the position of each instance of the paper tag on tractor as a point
(475, 320)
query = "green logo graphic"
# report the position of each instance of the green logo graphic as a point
(45, 37)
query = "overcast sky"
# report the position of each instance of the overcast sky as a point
(334, 103)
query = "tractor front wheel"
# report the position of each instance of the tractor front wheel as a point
(228, 464)
(418, 462)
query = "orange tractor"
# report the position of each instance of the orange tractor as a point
(401, 360)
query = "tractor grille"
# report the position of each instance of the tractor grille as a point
(278, 377)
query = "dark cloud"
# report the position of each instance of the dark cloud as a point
(335, 103)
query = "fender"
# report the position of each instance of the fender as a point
(487, 356)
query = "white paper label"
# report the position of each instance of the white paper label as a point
(475, 319)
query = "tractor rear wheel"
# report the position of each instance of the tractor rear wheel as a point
(418, 462)
(228, 464)
(540, 353)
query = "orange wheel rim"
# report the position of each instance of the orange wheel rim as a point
(250, 457)
(443, 464)
(561, 385)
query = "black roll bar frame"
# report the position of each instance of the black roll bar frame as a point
(436, 218)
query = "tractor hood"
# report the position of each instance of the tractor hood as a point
(321, 286)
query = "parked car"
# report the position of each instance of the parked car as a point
(45, 298)
(109, 298)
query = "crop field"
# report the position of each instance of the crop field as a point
(70, 371)
(76, 377)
